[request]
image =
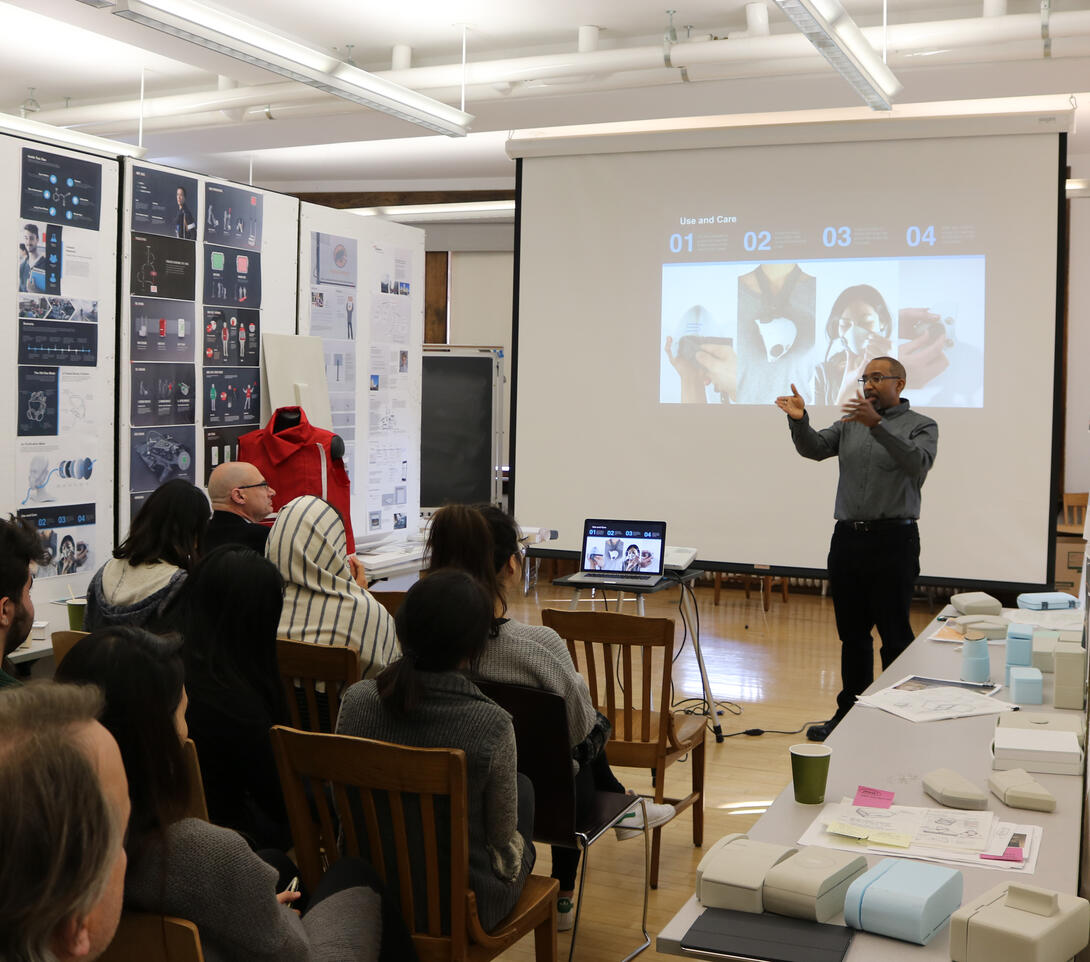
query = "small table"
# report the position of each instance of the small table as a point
(672, 579)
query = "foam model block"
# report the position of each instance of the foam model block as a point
(1025, 685)
(990, 626)
(1019, 789)
(1018, 630)
(1020, 650)
(1070, 683)
(1020, 923)
(1047, 601)
(812, 883)
(1053, 752)
(905, 900)
(1052, 722)
(731, 874)
(1044, 645)
(976, 603)
(1073, 635)
(954, 790)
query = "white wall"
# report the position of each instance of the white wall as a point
(1077, 431)
(480, 308)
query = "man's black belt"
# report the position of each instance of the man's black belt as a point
(875, 525)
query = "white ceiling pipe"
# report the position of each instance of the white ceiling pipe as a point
(401, 57)
(756, 20)
(229, 83)
(588, 38)
(995, 8)
(757, 50)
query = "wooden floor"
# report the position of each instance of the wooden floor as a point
(773, 670)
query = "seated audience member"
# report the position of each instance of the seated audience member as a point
(140, 585)
(21, 551)
(484, 542)
(425, 700)
(241, 498)
(64, 807)
(326, 601)
(187, 867)
(228, 613)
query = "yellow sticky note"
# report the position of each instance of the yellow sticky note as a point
(851, 831)
(895, 839)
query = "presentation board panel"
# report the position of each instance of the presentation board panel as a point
(209, 268)
(57, 471)
(667, 297)
(361, 290)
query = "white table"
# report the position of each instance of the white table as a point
(877, 749)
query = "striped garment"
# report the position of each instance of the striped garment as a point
(322, 604)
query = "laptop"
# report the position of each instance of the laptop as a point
(621, 554)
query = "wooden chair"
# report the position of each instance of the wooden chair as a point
(196, 807)
(390, 600)
(145, 937)
(63, 642)
(405, 811)
(643, 737)
(544, 756)
(766, 587)
(1075, 510)
(303, 666)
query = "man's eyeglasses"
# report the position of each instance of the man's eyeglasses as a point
(877, 378)
(256, 484)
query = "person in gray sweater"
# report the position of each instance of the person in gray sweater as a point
(424, 700)
(485, 542)
(201, 872)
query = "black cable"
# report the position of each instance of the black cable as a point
(774, 731)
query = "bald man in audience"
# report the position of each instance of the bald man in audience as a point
(64, 810)
(241, 498)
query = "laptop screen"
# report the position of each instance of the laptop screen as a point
(634, 546)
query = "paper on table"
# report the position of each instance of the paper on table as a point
(947, 828)
(947, 634)
(873, 797)
(934, 704)
(1055, 620)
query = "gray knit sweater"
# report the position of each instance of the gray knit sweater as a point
(454, 714)
(213, 879)
(537, 657)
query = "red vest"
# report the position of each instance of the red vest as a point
(298, 460)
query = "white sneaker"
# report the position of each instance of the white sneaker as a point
(631, 824)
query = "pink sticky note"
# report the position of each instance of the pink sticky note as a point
(872, 797)
(1012, 854)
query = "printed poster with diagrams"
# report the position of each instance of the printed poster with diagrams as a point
(160, 330)
(63, 353)
(393, 379)
(334, 276)
(231, 320)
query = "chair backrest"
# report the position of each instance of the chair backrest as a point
(196, 807)
(305, 666)
(1075, 507)
(544, 755)
(627, 661)
(145, 937)
(63, 641)
(390, 600)
(402, 809)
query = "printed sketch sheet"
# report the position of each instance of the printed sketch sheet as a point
(934, 699)
(930, 834)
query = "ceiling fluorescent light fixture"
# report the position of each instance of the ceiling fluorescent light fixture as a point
(826, 24)
(484, 211)
(34, 130)
(220, 31)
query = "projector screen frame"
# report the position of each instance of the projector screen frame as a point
(1061, 272)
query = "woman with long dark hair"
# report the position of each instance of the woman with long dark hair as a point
(485, 542)
(425, 700)
(859, 329)
(229, 610)
(187, 867)
(140, 584)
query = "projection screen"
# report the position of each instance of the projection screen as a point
(670, 285)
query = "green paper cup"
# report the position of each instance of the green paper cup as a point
(76, 608)
(809, 771)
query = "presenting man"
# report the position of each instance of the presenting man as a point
(240, 498)
(64, 809)
(21, 551)
(885, 450)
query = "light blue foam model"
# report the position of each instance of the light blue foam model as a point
(1025, 685)
(905, 900)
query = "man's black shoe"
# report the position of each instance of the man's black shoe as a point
(818, 733)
